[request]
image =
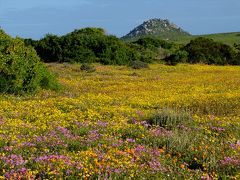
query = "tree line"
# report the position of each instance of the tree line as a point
(93, 45)
(206, 51)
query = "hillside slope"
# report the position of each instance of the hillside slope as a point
(158, 28)
(227, 38)
(164, 29)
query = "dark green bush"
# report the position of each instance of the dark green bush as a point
(87, 67)
(87, 45)
(236, 60)
(152, 49)
(114, 51)
(172, 60)
(138, 65)
(204, 50)
(179, 56)
(50, 48)
(140, 53)
(20, 67)
(151, 43)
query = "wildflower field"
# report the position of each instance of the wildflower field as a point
(180, 122)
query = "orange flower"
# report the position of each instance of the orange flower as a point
(130, 151)
(161, 150)
(97, 163)
(182, 166)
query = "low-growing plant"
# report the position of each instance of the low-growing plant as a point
(87, 67)
(138, 65)
(168, 118)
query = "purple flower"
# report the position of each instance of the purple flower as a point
(139, 149)
(130, 140)
(27, 144)
(159, 131)
(117, 171)
(155, 165)
(102, 124)
(13, 160)
(218, 129)
(51, 157)
(228, 161)
(93, 135)
(235, 146)
(7, 148)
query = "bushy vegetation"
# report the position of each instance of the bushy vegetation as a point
(85, 46)
(138, 65)
(169, 119)
(20, 67)
(152, 43)
(154, 49)
(90, 45)
(199, 50)
(87, 67)
(180, 56)
(203, 50)
(206, 51)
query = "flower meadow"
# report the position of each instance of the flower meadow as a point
(165, 122)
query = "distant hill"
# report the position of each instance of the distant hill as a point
(162, 28)
(227, 38)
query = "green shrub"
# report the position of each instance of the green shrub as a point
(20, 68)
(114, 51)
(87, 67)
(86, 45)
(152, 49)
(204, 50)
(151, 43)
(172, 60)
(140, 53)
(236, 60)
(138, 65)
(49, 48)
(179, 56)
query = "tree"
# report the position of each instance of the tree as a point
(204, 50)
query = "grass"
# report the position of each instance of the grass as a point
(164, 122)
(227, 38)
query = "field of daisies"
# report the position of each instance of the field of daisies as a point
(180, 122)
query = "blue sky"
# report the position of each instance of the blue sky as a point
(35, 18)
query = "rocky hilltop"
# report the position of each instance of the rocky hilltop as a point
(156, 27)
